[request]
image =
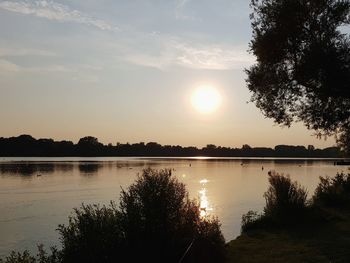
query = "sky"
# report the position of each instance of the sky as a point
(125, 71)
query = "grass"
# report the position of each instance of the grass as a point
(327, 240)
(271, 247)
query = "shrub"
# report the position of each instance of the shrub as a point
(286, 203)
(156, 221)
(252, 220)
(333, 191)
(209, 244)
(26, 257)
(93, 234)
(17, 257)
(161, 221)
(284, 198)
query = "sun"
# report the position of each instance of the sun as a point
(206, 99)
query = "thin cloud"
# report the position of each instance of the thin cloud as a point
(179, 11)
(212, 57)
(176, 53)
(18, 52)
(8, 67)
(55, 11)
(181, 3)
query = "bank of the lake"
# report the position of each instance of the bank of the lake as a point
(326, 242)
(295, 229)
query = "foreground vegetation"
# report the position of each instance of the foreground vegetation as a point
(294, 229)
(155, 221)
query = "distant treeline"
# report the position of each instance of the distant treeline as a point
(26, 145)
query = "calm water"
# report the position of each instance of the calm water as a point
(37, 194)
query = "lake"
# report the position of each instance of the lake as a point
(38, 194)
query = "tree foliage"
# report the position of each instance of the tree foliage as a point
(286, 205)
(302, 70)
(155, 222)
(284, 197)
(42, 257)
(333, 192)
(93, 234)
(26, 145)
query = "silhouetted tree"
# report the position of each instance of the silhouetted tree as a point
(246, 147)
(286, 205)
(333, 192)
(89, 146)
(160, 221)
(303, 64)
(26, 145)
(54, 256)
(155, 222)
(284, 198)
(310, 148)
(287, 150)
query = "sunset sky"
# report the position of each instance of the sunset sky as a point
(128, 71)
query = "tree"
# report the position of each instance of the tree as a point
(89, 146)
(310, 148)
(302, 72)
(88, 141)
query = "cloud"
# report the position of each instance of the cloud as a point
(54, 11)
(18, 52)
(181, 3)
(157, 50)
(80, 73)
(212, 57)
(179, 11)
(8, 67)
(176, 53)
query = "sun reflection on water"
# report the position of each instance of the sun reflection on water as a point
(203, 199)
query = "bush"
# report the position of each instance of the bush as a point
(42, 257)
(93, 234)
(156, 221)
(17, 257)
(284, 198)
(252, 220)
(333, 191)
(209, 244)
(286, 204)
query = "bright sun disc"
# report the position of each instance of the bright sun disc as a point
(206, 99)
